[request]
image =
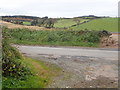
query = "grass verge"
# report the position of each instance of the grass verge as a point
(41, 75)
(55, 37)
(22, 72)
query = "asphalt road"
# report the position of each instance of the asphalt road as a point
(34, 50)
(82, 67)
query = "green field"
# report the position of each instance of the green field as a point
(26, 23)
(109, 24)
(68, 22)
(64, 23)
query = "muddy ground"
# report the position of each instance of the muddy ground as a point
(82, 71)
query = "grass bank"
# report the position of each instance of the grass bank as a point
(55, 37)
(21, 72)
(41, 75)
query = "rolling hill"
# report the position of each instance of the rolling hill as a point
(68, 22)
(110, 24)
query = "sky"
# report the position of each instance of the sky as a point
(59, 8)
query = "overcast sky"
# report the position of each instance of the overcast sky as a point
(59, 8)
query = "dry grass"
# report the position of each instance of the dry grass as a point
(14, 26)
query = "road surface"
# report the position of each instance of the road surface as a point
(35, 50)
(82, 68)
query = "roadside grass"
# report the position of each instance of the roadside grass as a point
(55, 37)
(0, 68)
(82, 44)
(109, 24)
(41, 75)
(22, 72)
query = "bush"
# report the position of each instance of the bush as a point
(55, 37)
(11, 58)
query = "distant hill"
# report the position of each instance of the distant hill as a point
(91, 17)
(20, 16)
(110, 24)
(89, 22)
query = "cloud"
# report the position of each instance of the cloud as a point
(59, 8)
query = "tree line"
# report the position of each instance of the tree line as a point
(35, 21)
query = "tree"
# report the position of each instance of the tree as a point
(49, 23)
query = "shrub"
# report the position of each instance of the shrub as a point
(11, 58)
(55, 37)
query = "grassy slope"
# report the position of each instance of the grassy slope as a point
(67, 22)
(57, 38)
(42, 75)
(64, 23)
(110, 24)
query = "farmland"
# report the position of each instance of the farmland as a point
(26, 23)
(109, 24)
(77, 23)
(64, 23)
(68, 22)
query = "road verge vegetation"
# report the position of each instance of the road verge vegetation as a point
(86, 38)
(22, 72)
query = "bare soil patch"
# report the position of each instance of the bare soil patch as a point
(110, 42)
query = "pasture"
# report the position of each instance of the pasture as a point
(109, 24)
(26, 23)
(65, 23)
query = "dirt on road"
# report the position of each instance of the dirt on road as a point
(82, 72)
(79, 70)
